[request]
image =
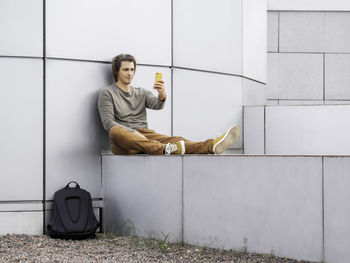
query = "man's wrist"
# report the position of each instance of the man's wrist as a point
(161, 98)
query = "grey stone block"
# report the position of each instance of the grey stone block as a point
(337, 209)
(337, 76)
(300, 76)
(30, 223)
(144, 194)
(337, 32)
(308, 129)
(272, 76)
(316, 5)
(337, 102)
(271, 102)
(254, 130)
(302, 31)
(259, 203)
(300, 102)
(272, 31)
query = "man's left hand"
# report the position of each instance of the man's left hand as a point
(159, 86)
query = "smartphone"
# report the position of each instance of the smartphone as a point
(158, 77)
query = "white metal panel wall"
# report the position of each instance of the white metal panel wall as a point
(208, 35)
(206, 104)
(21, 28)
(21, 140)
(99, 30)
(254, 39)
(74, 133)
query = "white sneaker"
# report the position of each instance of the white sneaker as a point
(175, 148)
(224, 141)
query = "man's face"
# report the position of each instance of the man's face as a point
(126, 72)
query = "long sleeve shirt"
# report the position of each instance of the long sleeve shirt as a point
(126, 109)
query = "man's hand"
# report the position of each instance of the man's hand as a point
(159, 86)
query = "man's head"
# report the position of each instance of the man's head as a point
(122, 61)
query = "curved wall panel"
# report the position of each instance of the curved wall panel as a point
(99, 30)
(21, 140)
(21, 28)
(206, 104)
(208, 35)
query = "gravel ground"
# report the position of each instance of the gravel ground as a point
(112, 248)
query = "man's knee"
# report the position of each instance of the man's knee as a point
(178, 138)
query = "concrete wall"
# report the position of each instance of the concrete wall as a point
(291, 206)
(308, 58)
(309, 5)
(308, 64)
(311, 129)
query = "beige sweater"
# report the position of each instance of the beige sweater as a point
(126, 109)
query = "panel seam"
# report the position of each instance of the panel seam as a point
(323, 230)
(44, 116)
(182, 202)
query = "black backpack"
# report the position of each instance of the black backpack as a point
(72, 214)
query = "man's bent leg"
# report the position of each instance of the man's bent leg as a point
(126, 141)
(190, 146)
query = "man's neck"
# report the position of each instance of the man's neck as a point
(122, 86)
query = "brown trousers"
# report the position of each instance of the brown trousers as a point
(148, 141)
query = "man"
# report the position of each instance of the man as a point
(122, 109)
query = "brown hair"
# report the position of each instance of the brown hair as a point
(117, 61)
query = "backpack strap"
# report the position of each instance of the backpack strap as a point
(76, 185)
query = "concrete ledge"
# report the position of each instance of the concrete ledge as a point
(25, 222)
(283, 205)
(261, 203)
(337, 209)
(145, 191)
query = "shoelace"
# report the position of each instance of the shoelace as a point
(170, 148)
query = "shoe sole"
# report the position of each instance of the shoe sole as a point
(183, 150)
(230, 137)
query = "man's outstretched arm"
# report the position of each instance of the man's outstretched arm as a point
(153, 102)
